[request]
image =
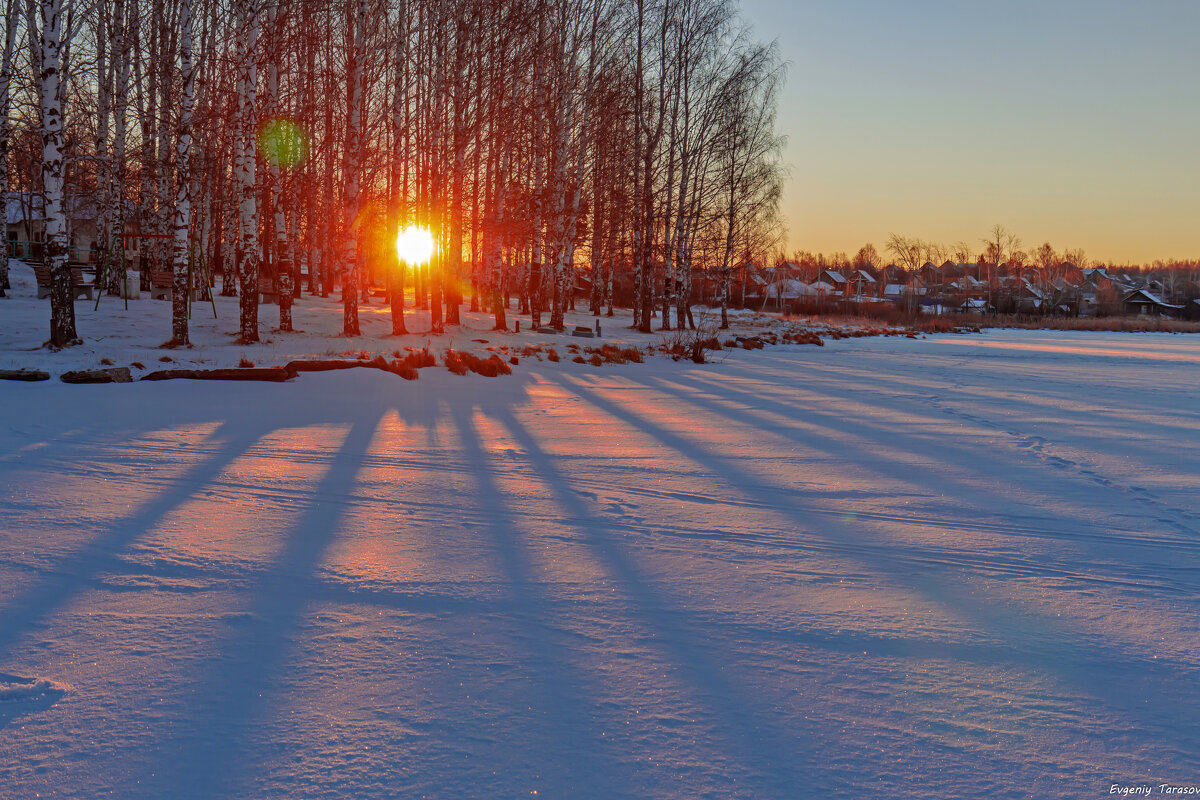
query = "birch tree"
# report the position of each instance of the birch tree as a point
(11, 20)
(183, 183)
(248, 255)
(51, 33)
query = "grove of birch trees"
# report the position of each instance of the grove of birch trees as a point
(249, 146)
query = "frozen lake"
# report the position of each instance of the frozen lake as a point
(961, 566)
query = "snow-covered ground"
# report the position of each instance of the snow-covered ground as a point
(957, 567)
(134, 335)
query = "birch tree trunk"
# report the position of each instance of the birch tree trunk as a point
(183, 183)
(50, 72)
(11, 19)
(356, 17)
(248, 255)
(283, 253)
(125, 16)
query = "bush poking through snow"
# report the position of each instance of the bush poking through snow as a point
(418, 359)
(243, 362)
(579, 360)
(460, 362)
(552, 354)
(454, 362)
(691, 344)
(803, 337)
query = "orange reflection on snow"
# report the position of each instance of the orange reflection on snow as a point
(1085, 350)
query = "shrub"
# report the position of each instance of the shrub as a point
(418, 359)
(454, 362)
(405, 371)
(552, 354)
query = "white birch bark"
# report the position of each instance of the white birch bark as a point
(356, 18)
(11, 19)
(183, 182)
(50, 69)
(283, 254)
(248, 248)
(125, 16)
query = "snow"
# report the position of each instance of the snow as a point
(134, 335)
(964, 566)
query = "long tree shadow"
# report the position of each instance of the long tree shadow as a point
(851, 435)
(75, 574)
(971, 386)
(210, 752)
(202, 759)
(1037, 641)
(572, 744)
(780, 759)
(935, 396)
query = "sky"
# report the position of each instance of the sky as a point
(1076, 123)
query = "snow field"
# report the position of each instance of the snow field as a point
(956, 567)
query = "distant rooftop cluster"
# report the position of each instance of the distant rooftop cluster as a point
(1063, 289)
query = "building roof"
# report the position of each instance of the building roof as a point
(1148, 297)
(22, 206)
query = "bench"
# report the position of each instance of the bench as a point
(162, 284)
(79, 287)
(268, 291)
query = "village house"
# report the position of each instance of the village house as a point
(25, 227)
(1144, 303)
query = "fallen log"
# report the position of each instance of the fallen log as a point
(108, 375)
(23, 375)
(275, 374)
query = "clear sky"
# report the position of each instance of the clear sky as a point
(1076, 122)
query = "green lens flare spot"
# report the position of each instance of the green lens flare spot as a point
(282, 142)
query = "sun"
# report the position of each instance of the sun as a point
(414, 245)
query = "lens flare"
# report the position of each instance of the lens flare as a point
(414, 245)
(282, 142)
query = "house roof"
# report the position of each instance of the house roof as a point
(19, 206)
(835, 275)
(22, 206)
(1148, 297)
(786, 289)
